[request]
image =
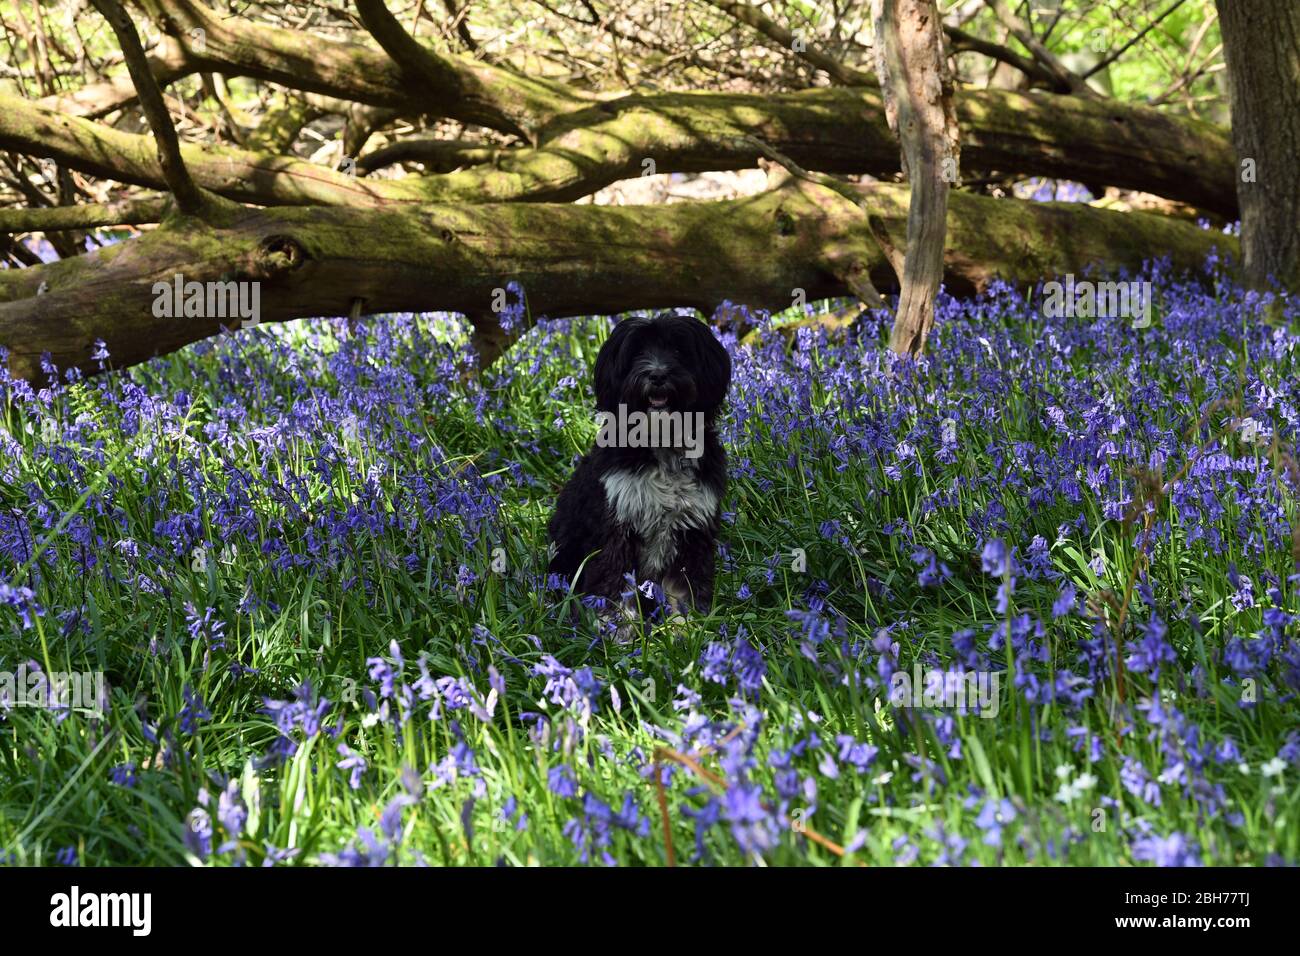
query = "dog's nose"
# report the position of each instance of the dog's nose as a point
(658, 379)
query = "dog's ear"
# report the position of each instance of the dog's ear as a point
(713, 363)
(610, 365)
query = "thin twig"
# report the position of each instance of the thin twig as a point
(690, 763)
(1102, 64)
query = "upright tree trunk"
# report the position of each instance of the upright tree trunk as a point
(1261, 43)
(918, 94)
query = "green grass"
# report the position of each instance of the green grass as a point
(320, 624)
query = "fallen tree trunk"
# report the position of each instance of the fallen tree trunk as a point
(571, 260)
(835, 130)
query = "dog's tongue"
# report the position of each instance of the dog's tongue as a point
(658, 401)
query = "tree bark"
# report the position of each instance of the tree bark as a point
(832, 130)
(167, 147)
(570, 259)
(918, 93)
(1261, 44)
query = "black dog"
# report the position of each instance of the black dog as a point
(648, 504)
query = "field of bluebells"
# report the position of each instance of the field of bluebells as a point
(308, 560)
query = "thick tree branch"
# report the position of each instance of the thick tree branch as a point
(170, 61)
(87, 216)
(237, 174)
(459, 87)
(960, 41)
(188, 197)
(437, 155)
(438, 77)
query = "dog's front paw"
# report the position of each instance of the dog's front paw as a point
(683, 599)
(621, 624)
(676, 625)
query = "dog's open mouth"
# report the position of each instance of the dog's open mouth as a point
(658, 401)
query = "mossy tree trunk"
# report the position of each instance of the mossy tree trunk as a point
(797, 240)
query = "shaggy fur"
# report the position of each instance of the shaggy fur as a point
(652, 513)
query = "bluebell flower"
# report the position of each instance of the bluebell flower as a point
(559, 780)
(1172, 850)
(993, 817)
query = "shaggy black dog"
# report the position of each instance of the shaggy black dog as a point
(647, 499)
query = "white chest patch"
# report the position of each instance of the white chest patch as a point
(657, 502)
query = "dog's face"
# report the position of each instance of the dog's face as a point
(667, 363)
